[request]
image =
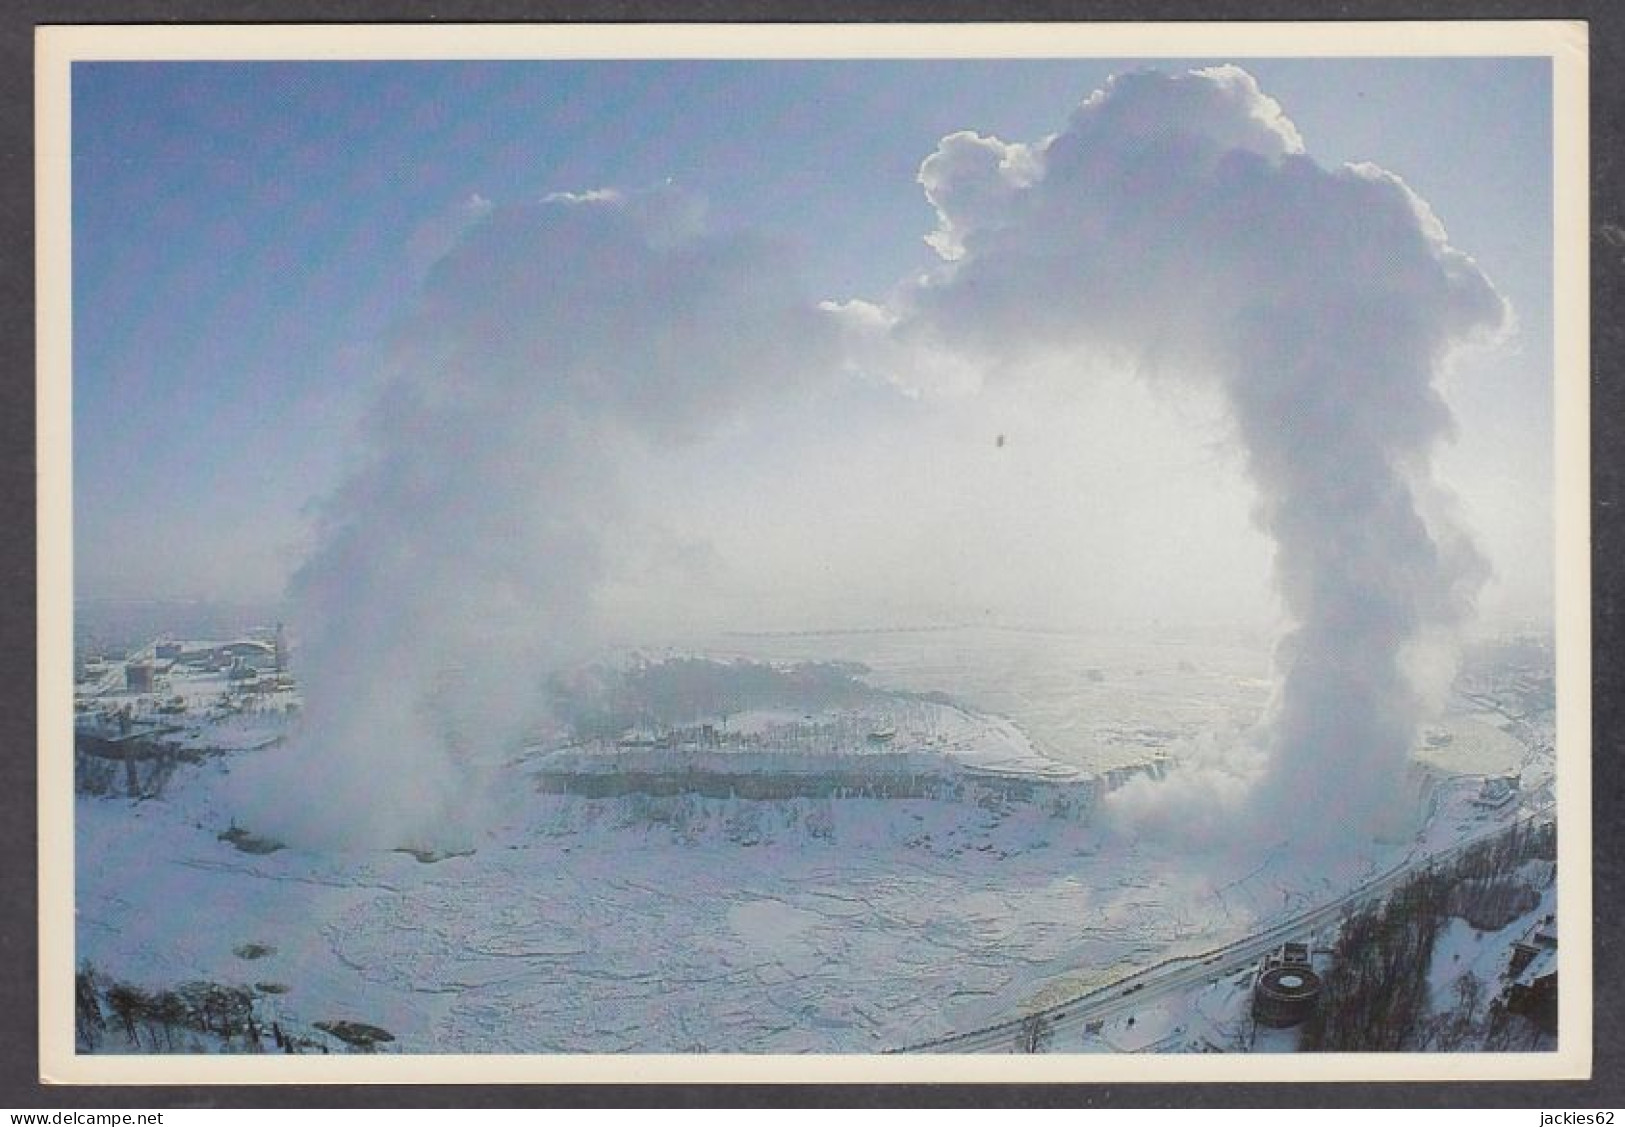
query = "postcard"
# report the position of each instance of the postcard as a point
(868, 552)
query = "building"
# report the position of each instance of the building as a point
(1538, 940)
(1533, 967)
(1497, 791)
(138, 676)
(247, 653)
(1287, 989)
(257, 655)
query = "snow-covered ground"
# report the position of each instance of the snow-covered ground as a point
(619, 934)
(696, 923)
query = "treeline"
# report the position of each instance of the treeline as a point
(112, 1016)
(143, 773)
(1375, 994)
(1501, 855)
(601, 702)
(1489, 890)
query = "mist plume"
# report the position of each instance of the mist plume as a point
(457, 565)
(1177, 225)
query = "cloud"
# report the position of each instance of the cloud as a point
(870, 348)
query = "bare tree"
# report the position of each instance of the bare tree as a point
(1035, 1034)
(89, 1024)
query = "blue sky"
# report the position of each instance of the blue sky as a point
(246, 234)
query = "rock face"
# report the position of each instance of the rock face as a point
(358, 1034)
